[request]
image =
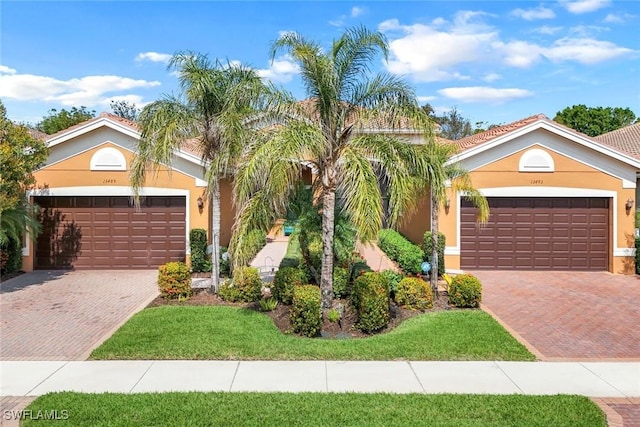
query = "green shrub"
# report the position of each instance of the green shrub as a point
(637, 255)
(256, 239)
(174, 280)
(245, 286)
(268, 304)
(333, 315)
(465, 291)
(414, 293)
(285, 280)
(199, 259)
(427, 247)
(340, 282)
(397, 247)
(10, 257)
(359, 267)
(393, 277)
(305, 316)
(370, 296)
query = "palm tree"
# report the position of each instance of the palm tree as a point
(216, 100)
(441, 174)
(342, 133)
(15, 220)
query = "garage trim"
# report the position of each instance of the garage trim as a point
(115, 191)
(546, 192)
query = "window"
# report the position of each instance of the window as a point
(536, 160)
(108, 159)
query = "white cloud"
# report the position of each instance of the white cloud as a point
(357, 11)
(519, 54)
(6, 70)
(426, 98)
(539, 12)
(492, 77)
(281, 70)
(547, 30)
(153, 57)
(484, 94)
(584, 6)
(618, 18)
(584, 50)
(428, 53)
(89, 91)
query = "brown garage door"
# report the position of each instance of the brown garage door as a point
(537, 233)
(108, 232)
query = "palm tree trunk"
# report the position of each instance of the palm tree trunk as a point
(328, 225)
(215, 237)
(434, 243)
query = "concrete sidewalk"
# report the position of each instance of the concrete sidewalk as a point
(593, 379)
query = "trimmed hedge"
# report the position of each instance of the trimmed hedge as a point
(10, 257)
(393, 278)
(637, 255)
(340, 282)
(245, 286)
(465, 291)
(306, 316)
(397, 247)
(427, 247)
(414, 293)
(199, 259)
(174, 280)
(370, 296)
(285, 280)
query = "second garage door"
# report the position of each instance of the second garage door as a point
(109, 232)
(537, 234)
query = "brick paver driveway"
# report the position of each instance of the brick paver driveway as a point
(575, 315)
(57, 315)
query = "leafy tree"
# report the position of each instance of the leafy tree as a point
(442, 173)
(126, 110)
(594, 121)
(452, 125)
(215, 102)
(56, 120)
(328, 132)
(20, 155)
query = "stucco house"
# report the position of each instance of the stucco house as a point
(559, 201)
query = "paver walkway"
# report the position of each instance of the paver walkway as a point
(568, 315)
(375, 257)
(53, 315)
(269, 258)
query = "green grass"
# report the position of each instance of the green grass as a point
(316, 409)
(231, 333)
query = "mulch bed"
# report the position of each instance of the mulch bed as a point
(280, 316)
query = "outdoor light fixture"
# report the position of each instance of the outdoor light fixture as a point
(629, 204)
(200, 204)
(447, 205)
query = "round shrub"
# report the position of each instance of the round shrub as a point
(245, 286)
(306, 316)
(340, 282)
(285, 280)
(174, 280)
(465, 291)
(393, 277)
(414, 293)
(370, 296)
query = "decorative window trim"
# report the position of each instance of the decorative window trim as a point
(108, 159)
(536, 160)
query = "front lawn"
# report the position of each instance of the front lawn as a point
(232, 333)
(316, 409)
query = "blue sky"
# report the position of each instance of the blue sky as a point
(496, 61)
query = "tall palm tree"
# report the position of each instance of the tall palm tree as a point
(215, 102)
(342, 133)
(441, 174)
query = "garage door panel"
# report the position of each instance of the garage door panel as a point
(109, 232)
(541, 233)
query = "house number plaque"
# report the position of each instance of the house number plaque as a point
(109, 181)
(537, 182)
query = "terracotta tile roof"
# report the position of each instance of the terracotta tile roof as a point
(626, 139)
(493, 133)
(191, 146)
(128, 123)
(35, 133)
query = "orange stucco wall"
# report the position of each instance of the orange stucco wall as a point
(75, 172)
(568, 173)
